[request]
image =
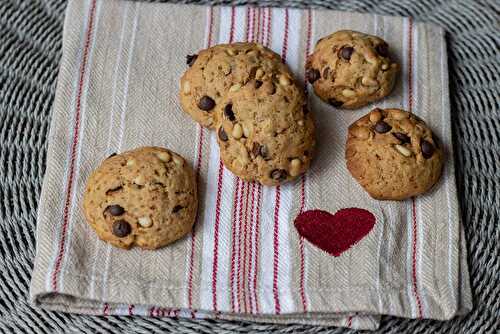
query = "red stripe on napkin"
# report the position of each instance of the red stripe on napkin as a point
(414, 215)
(198, 167)
(303, 180)
(76, 131)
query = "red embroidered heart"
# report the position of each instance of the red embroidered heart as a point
(335, 233)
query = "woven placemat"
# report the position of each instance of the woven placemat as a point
(30, 50)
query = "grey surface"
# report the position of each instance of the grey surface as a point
(30, 50)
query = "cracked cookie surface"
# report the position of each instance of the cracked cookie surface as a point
(350, 69)
(393, 154)
(145, 197)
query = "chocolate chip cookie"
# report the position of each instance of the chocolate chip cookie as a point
(251, 98)
(393, 154)
(350, 69)
(266, 133)
(215, 71)
(145, 197)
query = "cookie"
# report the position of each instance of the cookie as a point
(215, 71)
(393, 154)
(145, 197)
(251, 98)
(350, 69)
(266, 132)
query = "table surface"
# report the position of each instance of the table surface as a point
(30, 51)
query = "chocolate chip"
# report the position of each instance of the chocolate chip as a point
(111, 155)
(115, 210)
(273, 90)
(335, 103)
(258, 83)
(190, 59)
(222, 134)
(264, 151)
(427, 149)
(228, 111)
(305, 110)
(382, 127)
(382, 49)
(312, 75)
(177, 208)
(402, 137)
(110, 191)
(346, 52)
(206, 103)
(256, 149)
(278, 174)
(121, 228)
(326, 72)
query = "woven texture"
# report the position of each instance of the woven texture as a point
(29, 55)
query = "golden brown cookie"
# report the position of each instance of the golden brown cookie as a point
(251, 98)
(350, 69)
(266, 133)
(145, 197)
(393, 154)
(215, 71)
